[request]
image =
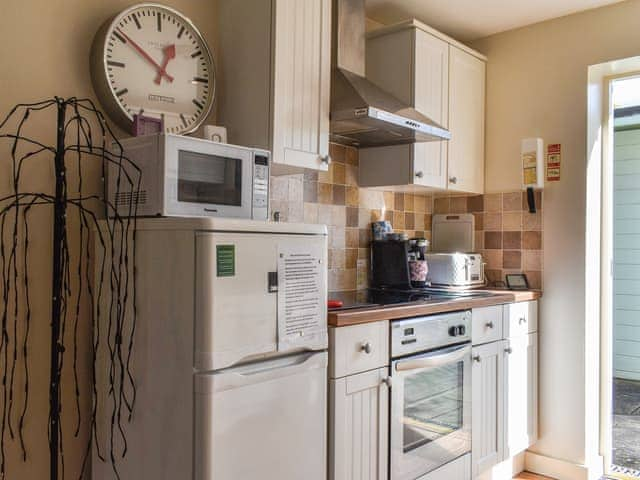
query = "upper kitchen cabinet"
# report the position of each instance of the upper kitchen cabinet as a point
(445, 81)
(275, 73)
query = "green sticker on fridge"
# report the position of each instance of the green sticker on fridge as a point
(226, 260)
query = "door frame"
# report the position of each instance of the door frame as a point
(608, 75)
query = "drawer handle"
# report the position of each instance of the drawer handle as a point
(508, 350)
(477, 358)
(522, 320)
(419, 174)
(366, 348)
(489, 325)
(387, 381)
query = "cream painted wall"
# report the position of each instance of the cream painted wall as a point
(44, 51)
(537, 86)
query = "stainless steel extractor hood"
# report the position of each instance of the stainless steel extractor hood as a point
(363, 115)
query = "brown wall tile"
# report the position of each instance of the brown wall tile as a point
(475, 203)
(512, 259)
(512, 202)
(493, 240)
(351, 156)
(398, 202)
(492, 221)
(352, 197)
(352, 217)
(325, 193)
(409, 221)
(310, 192)
(419, 203)
(535, 279)
(337, 152)
(532, 241)
(351, 175)
(428, 221)
(398, 220)
(364, 237)
(339, 195)
(493, 202)
(479, 221)
(351, 258)
(338, 173)
(458, 205)
(512, 240)
(409, 200)
(352, 238)
(441, 205)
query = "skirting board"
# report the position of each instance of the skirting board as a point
(561, 469)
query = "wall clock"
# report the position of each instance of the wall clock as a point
(152, 60)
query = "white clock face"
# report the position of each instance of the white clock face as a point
(157, 64)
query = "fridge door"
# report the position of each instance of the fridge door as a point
(247, 296)
(265, 420)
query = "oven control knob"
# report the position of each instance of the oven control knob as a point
(462, 330)
(453, 331)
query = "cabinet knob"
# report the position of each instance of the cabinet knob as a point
(522, 320)
(477, 358)
(326, 159)
(366, 347)
(419, 174)
(387, 381)
(508, 350)
(453, 180)
(489, 325)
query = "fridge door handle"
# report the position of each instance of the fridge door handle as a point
(259, 372)
(432, 361)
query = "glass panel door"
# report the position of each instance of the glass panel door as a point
(209, 179)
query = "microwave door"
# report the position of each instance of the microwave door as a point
(208, 179)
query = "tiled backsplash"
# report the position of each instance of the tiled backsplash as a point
(508, 236)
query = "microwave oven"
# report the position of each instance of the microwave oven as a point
(191, 177)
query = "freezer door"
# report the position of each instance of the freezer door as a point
(265, 420)
(243, 312)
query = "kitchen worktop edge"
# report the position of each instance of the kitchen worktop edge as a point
(344, 318)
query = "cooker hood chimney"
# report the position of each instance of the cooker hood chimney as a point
(363, 115)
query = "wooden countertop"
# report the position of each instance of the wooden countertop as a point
(343, 318)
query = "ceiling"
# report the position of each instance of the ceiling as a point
(468, 20)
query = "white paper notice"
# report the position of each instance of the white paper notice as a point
(301, 316)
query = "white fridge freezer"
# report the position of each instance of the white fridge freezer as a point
(229, 357)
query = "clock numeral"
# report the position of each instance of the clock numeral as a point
(195, 54)
(184, 120)
(198, 104)
(119, 93)
(159, 22)
(135, 19)
(112, 63)
(181, 32)
(200, 80)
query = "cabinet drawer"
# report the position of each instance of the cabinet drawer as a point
(486, 324)
(358, 348)
(520, 319)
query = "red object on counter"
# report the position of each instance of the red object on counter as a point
(334, 303)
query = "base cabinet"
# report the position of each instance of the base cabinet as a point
(505, 388)
(359, 419)
(487, 424)
(521, 393)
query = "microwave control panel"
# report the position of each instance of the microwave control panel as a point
(260, 186)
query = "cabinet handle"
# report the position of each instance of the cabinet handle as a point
(419, 174)
(366, 348)
(387, 381)
(522, 320)
(489, 325)
(453, 180)
(508, 350)
(477, 358)
(326, 159)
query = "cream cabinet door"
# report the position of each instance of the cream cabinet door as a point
(359, 426)
(302, 68)
(487, 422)
(431, 97)
(466, 122)
(521, 393)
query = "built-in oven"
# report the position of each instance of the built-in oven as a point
(431, 393)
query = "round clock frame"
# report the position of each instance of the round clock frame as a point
(102, 67)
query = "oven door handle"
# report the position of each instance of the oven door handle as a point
(432, 361)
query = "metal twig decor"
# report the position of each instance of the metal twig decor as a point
(82, 136)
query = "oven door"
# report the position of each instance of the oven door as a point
(207, 179)
(430, 411)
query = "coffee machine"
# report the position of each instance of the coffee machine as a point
(399, 264)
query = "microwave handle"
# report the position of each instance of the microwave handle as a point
(432, 361)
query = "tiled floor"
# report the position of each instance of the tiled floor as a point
(626, 424)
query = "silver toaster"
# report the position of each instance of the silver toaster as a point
(455, 269)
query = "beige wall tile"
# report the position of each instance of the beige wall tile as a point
(409, 202)
(337, 237)
(493, 202)
(371, 199)
(351, 175)
(388, 200)
(352, 197)
(458, 205)
(441, 205)
(532, 221)
(419, 203)
(428, 204)
(338, 176)
(512, 202)
(493, 222)
(337, 259)
(311, 213)
(279, 188)
(324, 214)
(295, 212)
(325, 193)
(493, 258)
(532, 260)
(338, 216)
(512, 221)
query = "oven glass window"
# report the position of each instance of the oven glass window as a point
(433, 405)
(209, 179)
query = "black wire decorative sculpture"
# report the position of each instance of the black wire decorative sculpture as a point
(82, 135)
